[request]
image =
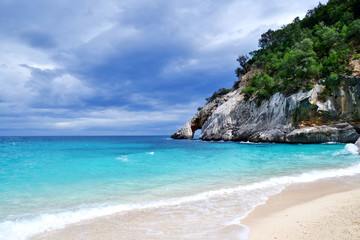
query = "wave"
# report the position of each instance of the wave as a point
(123, 158)
(330, 143)
(24, 227)
(255, 143)
(350, 148)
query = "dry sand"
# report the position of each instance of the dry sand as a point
(322, 210)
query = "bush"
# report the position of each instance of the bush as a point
(218, 93)
(261, 86)
(354, 29)
(310, 86)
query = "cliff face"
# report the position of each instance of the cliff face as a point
(188, 130)
(299, 118)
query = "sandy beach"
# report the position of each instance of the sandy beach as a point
(326, 209)
(320, 210)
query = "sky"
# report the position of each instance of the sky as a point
(124, 67)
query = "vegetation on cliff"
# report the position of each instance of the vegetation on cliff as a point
(316, 49)
(218, 93)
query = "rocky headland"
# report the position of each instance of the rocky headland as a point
(302, 84)
(299, 118)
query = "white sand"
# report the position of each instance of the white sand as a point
(313, 211)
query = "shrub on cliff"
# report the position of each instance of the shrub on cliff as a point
(261, 85)
(218, 93)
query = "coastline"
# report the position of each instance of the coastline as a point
(325, 209)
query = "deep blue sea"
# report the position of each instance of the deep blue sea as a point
(47, 183)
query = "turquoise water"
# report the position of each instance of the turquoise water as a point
(56, 175)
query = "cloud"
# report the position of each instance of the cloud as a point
(89, 66)
(109, 121)
(38, 39)
(116, 118)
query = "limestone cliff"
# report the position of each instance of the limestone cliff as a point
(298, 118)
(188, 130)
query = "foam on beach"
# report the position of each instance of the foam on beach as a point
(246, 198)
(150, 186)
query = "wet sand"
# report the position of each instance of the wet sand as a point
(208, 219)
(326, 209)
(146, 224)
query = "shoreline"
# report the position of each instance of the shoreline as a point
(325, 209)
(283, 216)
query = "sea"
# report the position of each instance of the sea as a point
(179, 189)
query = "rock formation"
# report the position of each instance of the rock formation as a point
(188, 130)
(357, 143)
(298, 118)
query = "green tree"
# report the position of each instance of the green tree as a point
(325, 37)
(353, 32)
(244, 65)
(299, 67)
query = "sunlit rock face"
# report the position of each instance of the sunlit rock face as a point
(357, 143)
(298, 118)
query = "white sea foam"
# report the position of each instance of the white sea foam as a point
(23, 227)
(330, 143)
(150, 153)
(349, 149)
(352, 148)
(255, 143)
(123, 158)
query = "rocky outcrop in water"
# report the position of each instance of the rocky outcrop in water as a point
(298, 118)
(188, 130)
